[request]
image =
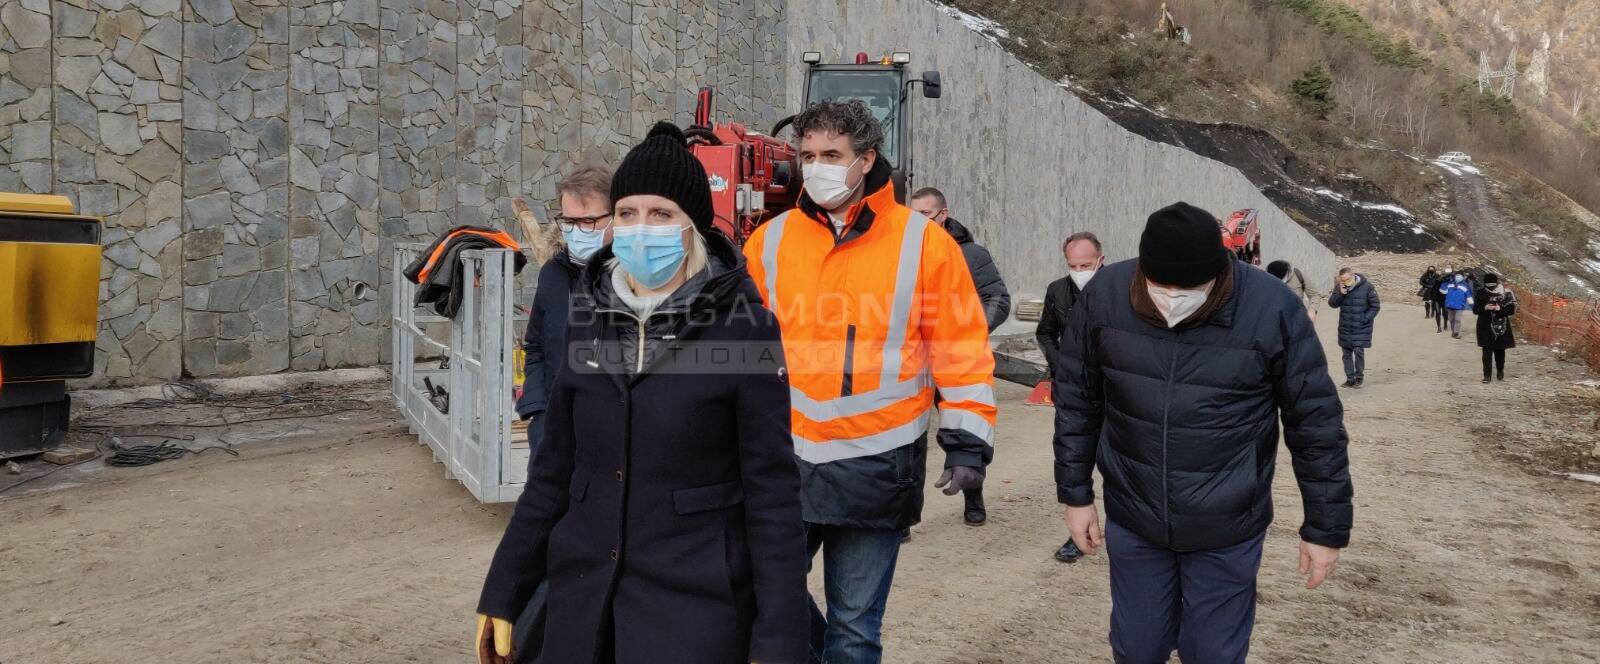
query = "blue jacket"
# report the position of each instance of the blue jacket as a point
(1457, 294)
(1183, 423)
(1357, 311)
(544, 345)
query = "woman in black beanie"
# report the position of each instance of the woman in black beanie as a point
(663, 507)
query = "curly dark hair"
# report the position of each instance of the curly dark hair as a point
(848, 118)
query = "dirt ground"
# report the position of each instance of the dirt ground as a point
(343, 543)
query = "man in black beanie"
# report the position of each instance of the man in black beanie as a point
(1174, 371)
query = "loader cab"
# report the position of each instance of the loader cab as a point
(884, 85)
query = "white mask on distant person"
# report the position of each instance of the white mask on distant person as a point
(827, 184)
(1081, 277)
(1176, 304)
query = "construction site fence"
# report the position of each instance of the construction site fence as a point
(1572, 325)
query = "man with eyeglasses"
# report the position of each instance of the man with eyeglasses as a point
(585, 223)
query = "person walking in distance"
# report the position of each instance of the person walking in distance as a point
(1440, 319)
(1357, 302)
(664, 506)
(1495, 305)
(1084, 259)
(1429, 283)
(879, 314)
(1457, 294)
(930, 203)
(1296, 282)
(1176, 370)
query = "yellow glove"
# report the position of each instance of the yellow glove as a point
(493, 641)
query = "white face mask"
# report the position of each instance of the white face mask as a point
(1081, 277)
(827, 183)
(1176, 304)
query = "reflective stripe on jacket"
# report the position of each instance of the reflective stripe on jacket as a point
(875, 319)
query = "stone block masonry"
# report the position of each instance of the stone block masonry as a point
(255, 160)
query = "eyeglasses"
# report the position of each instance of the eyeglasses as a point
(595, 223)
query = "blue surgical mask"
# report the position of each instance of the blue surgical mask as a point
(651, 254)
(582, 244)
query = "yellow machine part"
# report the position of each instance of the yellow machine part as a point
(45, 203)
(49, 292)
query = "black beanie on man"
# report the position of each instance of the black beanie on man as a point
(662, 166)
(1182, 246)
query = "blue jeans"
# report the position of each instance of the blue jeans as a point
(857, 570)
(1203, 603)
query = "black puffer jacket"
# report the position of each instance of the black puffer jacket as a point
(663, 508)
(1358, 311)
(1183, 424)
(985, 275)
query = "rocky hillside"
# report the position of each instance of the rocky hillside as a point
(1337, 111)
(1556, 42)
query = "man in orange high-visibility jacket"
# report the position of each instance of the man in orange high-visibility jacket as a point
(878, 311)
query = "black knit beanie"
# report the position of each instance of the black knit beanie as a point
(1182, 246)
(662, 166)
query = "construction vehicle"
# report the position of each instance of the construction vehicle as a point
(756, 176)
(1241, 234)
(49, 316)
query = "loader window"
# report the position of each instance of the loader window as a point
(879, 90)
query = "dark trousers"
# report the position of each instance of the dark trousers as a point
(1438, 316)
(1355, 364)
(1497, 357)
(857, 572)
(1202, 603)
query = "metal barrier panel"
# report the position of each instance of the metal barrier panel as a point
(473, 439)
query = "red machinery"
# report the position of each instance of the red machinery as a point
(1241, 234)
(753, 176)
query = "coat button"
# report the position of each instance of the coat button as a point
(613, 554)
(619, 474)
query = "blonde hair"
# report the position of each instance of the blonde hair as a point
(696, 256)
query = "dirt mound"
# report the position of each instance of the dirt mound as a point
(1350, 216)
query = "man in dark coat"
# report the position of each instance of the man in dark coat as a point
(930, 203)
(1429, 282)
(1084, 258)
(1357, 302)
(663, 508)
(1495, 305)
(585, 224)
(1175, 371)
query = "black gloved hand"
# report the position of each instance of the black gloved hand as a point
(959, 478)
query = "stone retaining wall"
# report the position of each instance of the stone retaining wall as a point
(255, 159)
(1024, 162)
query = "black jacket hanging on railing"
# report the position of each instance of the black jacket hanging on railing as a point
(437, 270)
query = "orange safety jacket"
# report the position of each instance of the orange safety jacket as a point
(877, 319)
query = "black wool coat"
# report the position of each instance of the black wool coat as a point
(1491, 335)
(544, 343)
(1183, 423)
(663, 508)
